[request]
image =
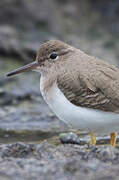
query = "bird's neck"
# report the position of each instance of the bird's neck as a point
(47, 81)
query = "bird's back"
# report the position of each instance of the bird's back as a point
(90, 82)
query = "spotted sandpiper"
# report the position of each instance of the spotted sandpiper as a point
(81, 90)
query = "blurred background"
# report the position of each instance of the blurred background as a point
(91, 25)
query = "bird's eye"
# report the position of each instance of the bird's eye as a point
(54, 56)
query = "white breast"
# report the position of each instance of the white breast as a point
(79, 117)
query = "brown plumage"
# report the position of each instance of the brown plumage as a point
(97, 87)
(85, 80)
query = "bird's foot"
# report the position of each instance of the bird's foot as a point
(113, 139)
(93, 139)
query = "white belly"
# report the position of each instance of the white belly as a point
(79, 117)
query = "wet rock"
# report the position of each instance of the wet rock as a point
(71, 138)
(17, 150)
(50, 162)
(5, 98)
(45, 150)
(107, 153)
(103, 153)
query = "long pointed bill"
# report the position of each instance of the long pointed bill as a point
(27, 67)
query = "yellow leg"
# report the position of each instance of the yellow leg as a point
(113, 139)
(93, 139)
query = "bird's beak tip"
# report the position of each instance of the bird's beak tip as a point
(27, 67)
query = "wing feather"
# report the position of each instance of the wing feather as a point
(97, 87)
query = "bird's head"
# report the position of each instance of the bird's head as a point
(50, 54)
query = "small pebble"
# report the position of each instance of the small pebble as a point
(71, 138)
